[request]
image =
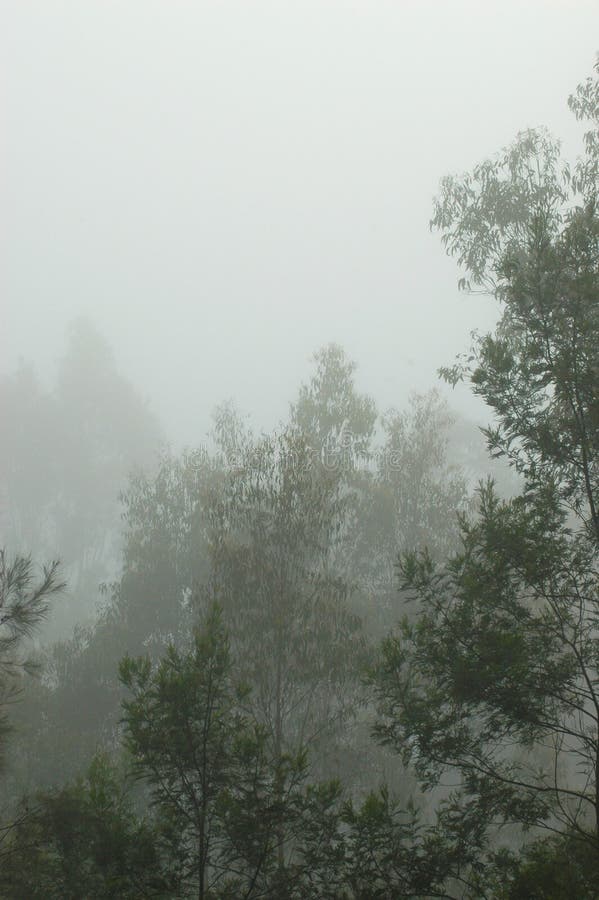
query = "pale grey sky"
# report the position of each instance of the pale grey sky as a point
(223, 187)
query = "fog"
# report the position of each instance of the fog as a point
(222, 188)
(281, 614)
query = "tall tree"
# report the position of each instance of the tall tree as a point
(330, 411)
(67, 452)
(497, 680)
(208, 766)
(413, 498)
(273, 520)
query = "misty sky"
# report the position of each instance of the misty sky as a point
(223, 187)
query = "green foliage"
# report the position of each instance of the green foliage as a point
(273, 524)
(330, 412)
(584, 103)
(208, 768)
(500, 656)
(494, 682)
(83, 841)
(296, 544)
(424, 490)
(378, 849)
(555, 868)
(24, 603)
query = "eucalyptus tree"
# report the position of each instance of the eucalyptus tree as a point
(331, 412)
(413, 499)
(497, 679)
(272, 522)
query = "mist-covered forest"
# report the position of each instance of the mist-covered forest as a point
(353, 654)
